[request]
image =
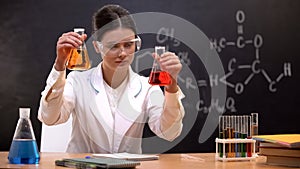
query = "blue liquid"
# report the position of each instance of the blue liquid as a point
(23, 152)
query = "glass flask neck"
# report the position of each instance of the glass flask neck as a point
(24, 128)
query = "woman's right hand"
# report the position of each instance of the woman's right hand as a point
(65, 43)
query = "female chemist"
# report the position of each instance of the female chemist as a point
(110, 103)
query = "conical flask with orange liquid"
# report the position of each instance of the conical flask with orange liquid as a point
(79, 58)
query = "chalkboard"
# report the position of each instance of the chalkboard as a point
(256, 43)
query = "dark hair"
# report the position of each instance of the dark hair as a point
(110, 17)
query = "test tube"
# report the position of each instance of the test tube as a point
(228, 136)
(254, 128)
(247, 121)
(224, 147)
(226, 131)
(239, 134)
(232, 129)
(254, 124)
(236, 135)
(248, 131)
(221, 135)
(243, 135)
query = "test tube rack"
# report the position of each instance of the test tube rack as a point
(224, 155)
(235, 138)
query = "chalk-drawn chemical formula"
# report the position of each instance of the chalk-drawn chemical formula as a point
(254, 67)
(232, 67)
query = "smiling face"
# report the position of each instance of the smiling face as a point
(118, 47)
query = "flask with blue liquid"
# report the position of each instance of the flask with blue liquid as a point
(23, 149)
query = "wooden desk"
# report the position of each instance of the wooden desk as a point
(166, 161)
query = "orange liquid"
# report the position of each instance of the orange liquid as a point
(160, 78)
(78, 60)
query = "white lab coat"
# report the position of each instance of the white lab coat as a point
(95, 128)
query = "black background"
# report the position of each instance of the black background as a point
(29, 31)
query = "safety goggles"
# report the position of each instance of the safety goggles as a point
(129, 46)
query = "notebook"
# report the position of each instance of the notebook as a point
(129, 156)
(96, 163)
(287, 140)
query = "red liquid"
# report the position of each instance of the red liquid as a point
(161, 78)
(249, 148)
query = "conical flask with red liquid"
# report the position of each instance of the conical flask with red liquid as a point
(158, 76)
(23, 149)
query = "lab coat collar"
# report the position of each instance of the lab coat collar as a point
(134, 85)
